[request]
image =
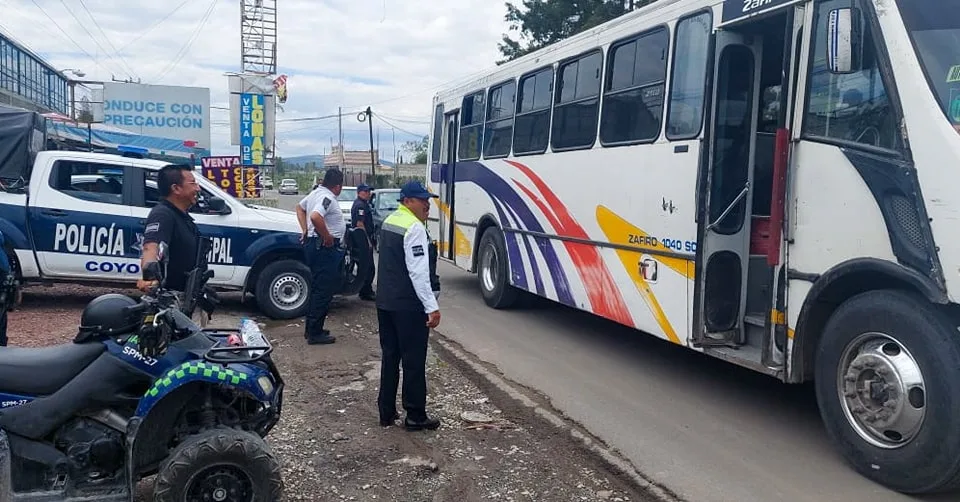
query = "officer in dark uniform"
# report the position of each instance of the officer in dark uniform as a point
(406, 307)
(170, 221)
(323, 229)
(9, 290)
(361, 218)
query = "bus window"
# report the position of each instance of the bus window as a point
(437, 133)
(578, 103)
(498, 133)
(633, 103)
(852, 108)
(532, 129)
(688, 88)
(471, 129)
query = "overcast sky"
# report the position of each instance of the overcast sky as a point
(390, 54)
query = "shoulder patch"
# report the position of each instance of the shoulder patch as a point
(153, 227)
(417, 250)
(326, 203)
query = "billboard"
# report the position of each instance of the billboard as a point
(252, 92)
(232, 177)
(252, 129)
(165, 111)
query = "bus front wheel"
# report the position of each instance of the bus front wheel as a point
(494, 271)
(887, 378)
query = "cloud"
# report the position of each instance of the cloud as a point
(388, 54)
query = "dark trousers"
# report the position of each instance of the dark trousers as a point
(324, 281)
(366, 268)
(403, 340)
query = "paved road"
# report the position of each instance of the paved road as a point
(707, 430)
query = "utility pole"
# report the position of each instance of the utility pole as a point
(340, 137)
(373, 156)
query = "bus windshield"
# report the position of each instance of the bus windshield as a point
(934, 27)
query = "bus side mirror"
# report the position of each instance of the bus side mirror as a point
(844, 41)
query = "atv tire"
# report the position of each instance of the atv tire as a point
(220, 464)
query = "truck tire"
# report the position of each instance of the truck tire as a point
(283, 288)
(887, 378)
(494, 271)
(220, 464)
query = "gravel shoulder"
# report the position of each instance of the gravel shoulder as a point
(488, 448)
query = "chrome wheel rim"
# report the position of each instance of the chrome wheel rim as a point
(288, 291)
(882, 390)
(489, 270)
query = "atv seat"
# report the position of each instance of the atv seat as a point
(43, 371)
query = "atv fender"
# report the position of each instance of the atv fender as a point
(243, 377)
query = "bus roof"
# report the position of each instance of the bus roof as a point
(598, 36)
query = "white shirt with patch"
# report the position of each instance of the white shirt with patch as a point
(323, 202)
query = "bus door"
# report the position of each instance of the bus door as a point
(726, 192)
(448, 166)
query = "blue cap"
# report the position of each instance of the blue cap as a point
(415, 190)
(363, 187)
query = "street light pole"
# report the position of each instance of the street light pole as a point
(367, 116)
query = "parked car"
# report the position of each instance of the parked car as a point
(345, 199)
(289, 187)
(384, 202)
(267, 182)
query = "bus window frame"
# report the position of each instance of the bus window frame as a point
(607, 75)
(483, 121)
(553, 90)
(707, 84)
(487, 120)
(598, 97)
(886, 76)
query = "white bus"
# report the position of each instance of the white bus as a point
(775, 183)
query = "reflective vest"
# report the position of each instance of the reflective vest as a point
(394, 287)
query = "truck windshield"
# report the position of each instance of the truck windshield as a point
(934, 27)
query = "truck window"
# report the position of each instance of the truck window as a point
(151, 194)
(88, 181)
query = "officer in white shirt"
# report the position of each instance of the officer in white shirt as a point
(321, 222)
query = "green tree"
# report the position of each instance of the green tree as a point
(544, 22)
(418, 149)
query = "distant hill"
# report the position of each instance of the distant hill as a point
(318, 159)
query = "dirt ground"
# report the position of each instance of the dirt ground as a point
(488, 448)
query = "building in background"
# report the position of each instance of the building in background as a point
(28, 82)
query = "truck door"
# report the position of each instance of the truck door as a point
(80, 223)
(727, 190)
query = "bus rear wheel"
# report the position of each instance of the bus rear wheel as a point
(494, 271)
(887, 378)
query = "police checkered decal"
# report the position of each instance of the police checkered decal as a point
(208, 370)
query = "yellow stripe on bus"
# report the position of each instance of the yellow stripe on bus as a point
(618, 231)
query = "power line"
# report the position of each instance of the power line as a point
(55, 23)
(186, 47)
(419, 135)
(105, 37)
(95, 41)
(154, 26)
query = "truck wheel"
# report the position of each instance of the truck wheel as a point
(220, 464)
(887, 376)
(283, 288)
(494, 271)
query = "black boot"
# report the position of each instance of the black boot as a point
(428, 424)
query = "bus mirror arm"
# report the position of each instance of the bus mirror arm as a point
(723, 215)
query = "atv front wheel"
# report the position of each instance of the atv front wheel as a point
(220, 465)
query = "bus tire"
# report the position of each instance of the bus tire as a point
(494, 271)
(283, 288)
(904, 432)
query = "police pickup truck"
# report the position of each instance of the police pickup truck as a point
(79, 218)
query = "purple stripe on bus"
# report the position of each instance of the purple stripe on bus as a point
(532, 257)
(515, 264)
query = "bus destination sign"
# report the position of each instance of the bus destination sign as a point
(738, 9)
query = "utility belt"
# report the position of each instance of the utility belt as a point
(317, 242)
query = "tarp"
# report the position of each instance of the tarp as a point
(107, 137)
(22, 135)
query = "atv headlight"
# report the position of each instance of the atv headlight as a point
(265, 385)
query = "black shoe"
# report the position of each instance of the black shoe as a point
(428, 424)
(392, 421)
(324, 338)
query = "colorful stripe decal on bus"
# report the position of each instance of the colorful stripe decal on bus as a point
(602, 290)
